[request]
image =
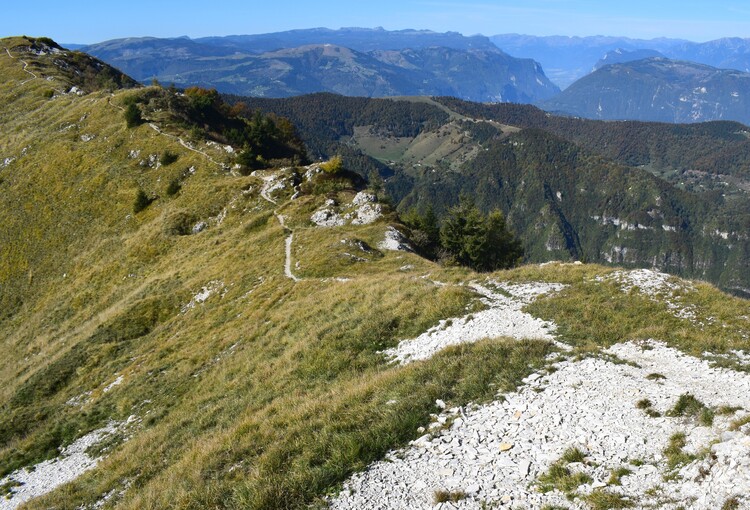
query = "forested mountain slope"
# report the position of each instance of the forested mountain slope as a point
(654, 195)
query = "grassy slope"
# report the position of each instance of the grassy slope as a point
(271, 392)
(268, 393)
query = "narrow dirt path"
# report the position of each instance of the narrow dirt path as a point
(288, 260)
(109, 100)
(25, 67)
(186, 145)
(289, 239)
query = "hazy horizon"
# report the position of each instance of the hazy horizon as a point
(90, 22)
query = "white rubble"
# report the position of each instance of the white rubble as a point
(394, 241)
(363, 210)
(46, 476)
(202, 296)
(659, 287)
(494, 453)
(327, 218)
(363, 197)
(367, 213)
(503, 317)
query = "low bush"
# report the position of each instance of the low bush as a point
(142, 201)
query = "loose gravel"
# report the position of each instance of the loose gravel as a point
(73, 461)
(503, 317)
(493, 454)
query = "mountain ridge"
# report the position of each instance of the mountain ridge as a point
(657, 89)
(191, 333)
(567, 59)
(415, 63)
(521, 159)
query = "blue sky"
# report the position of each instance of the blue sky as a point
(87, 21)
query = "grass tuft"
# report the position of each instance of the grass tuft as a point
(573, 455)
(688, 405)
(615, 476)
(674, 452)
(739, 423)
(560, 477)
(732, 503)
(602, 500)
(444, 496)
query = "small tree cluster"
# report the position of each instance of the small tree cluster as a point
(425, 232)
(466, 237)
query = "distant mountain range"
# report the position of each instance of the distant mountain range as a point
(657, 89)
(360, 39)
(679, 86)
(566, 59)
(359, 62)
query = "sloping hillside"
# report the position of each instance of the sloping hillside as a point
(657, 90)
(640, 195)
(179, 335)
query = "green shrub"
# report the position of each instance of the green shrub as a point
(142, 201)
(333, 165)
(179, 223)
(173, 187)
(168, 157)
(250, 161)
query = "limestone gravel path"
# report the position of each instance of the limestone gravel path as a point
(494, 453)
(502, 317)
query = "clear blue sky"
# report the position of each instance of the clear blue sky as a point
(87, 21)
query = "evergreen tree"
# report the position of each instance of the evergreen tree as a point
(133, 116)
(481, 242)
